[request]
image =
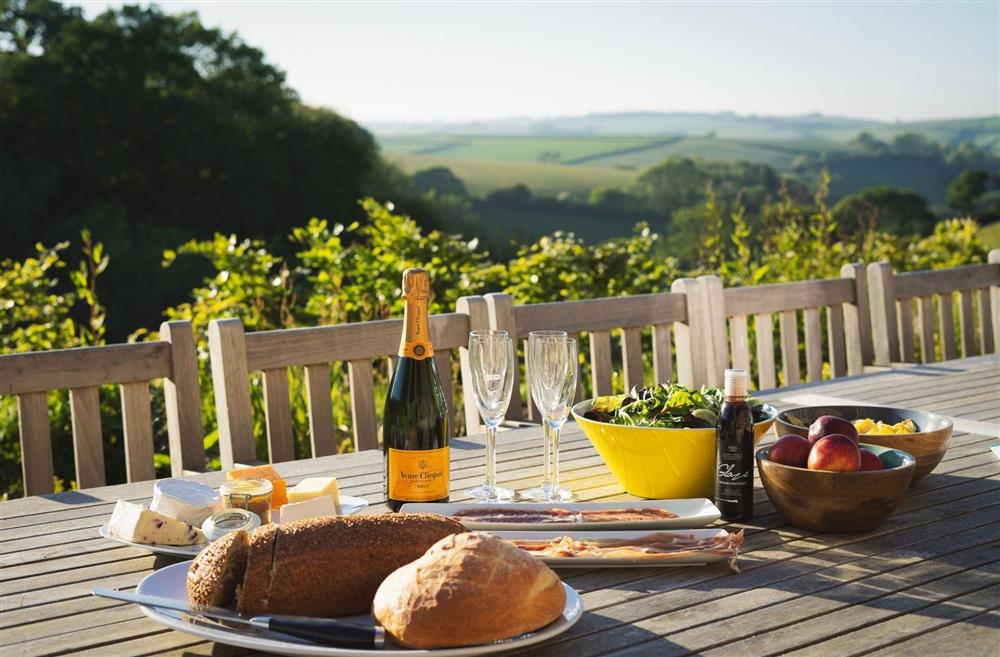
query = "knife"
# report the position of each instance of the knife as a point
(318, 630)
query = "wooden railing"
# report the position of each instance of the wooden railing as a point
(31, 376)
(697, 330)
(235, 354)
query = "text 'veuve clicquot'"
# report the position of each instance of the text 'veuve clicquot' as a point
(415, 434)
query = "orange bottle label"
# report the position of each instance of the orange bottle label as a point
(418, 475)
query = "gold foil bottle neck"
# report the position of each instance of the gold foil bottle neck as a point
(416, 284)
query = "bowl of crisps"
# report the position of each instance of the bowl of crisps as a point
(920, 433)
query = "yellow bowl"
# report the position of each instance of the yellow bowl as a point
(659, 463)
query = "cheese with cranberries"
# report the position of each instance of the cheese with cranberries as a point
(136, 523)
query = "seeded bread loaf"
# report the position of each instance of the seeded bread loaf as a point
(317, 567)
(215, 575)
(466, 590)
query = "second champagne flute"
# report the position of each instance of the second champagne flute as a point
(491, 359)
(552, 378)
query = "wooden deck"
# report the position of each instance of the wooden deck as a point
(927, 582)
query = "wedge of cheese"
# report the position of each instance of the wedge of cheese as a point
(280, 494)
(136, 523)
(318, 507)
(314, 487)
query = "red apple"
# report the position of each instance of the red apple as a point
(790, 450)
(837, 453)
(869, 461)
(827, 425)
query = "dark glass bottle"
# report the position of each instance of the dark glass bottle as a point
(415, 421)
(734, 451)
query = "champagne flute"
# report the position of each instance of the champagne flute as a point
(491, 359)
(552, 361)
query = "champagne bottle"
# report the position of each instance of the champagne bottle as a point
(415, 434)
(734, 451)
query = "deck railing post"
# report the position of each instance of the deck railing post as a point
(994, 310)
(691, 336)
(885, 331)
(500, 308)
(857, 321)
(716, 328)
(231, 381)
(182, 396)
(479, 318)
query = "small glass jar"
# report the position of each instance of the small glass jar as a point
(249, 494)
(224, 522)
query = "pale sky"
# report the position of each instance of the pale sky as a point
(422, 61)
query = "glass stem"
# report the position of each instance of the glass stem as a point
(491, 459)
(554, 431)
(547, 458)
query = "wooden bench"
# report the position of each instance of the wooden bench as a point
(599, 318)
(898, 329)
(236, 354)
(725, 312)
(31, 376)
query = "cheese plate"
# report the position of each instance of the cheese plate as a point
(169, 582)
(676, 548)
(550, 516)
(348, 506)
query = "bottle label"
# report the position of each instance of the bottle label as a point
(418, 475)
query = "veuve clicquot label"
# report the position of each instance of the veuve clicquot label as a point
(415, 434)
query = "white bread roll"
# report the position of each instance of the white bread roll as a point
(468, 589)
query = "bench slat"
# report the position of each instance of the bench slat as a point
(764, 328)
(231, 381)
(967, 324)
(182, 396)
(321, 432)
(600, 362)
(632, 357)
(363, 404)
(904, 311)
(814, 344)
(939, 281)
(740, 342)
(59, 369)
(946, 323)
(925, 318)
(985, 320)
(600, 314)
(788, 327)
(836, 341)
(778, 297)
(278, 416)
(663, 364)
(88, 445)
(36, 442)
(137, 424)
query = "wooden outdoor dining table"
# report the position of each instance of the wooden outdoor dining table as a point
(926, 582)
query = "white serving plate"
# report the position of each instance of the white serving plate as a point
(348, 506)
(696, 512)
(169, 582)
(659, 561)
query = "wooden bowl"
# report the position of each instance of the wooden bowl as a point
(837, 502)
(928, 445)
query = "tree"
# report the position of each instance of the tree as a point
(151, 129)
(440, 181)
(966, 190)
(897, 211)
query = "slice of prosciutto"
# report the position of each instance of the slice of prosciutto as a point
(658, 546)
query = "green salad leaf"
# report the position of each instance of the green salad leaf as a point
(666, 405)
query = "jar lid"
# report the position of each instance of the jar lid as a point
(252, 487)
(230, 520)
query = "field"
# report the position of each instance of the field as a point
(543, 179)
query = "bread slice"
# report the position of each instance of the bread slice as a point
(467, 590)
(252, 595)
(216, 572)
